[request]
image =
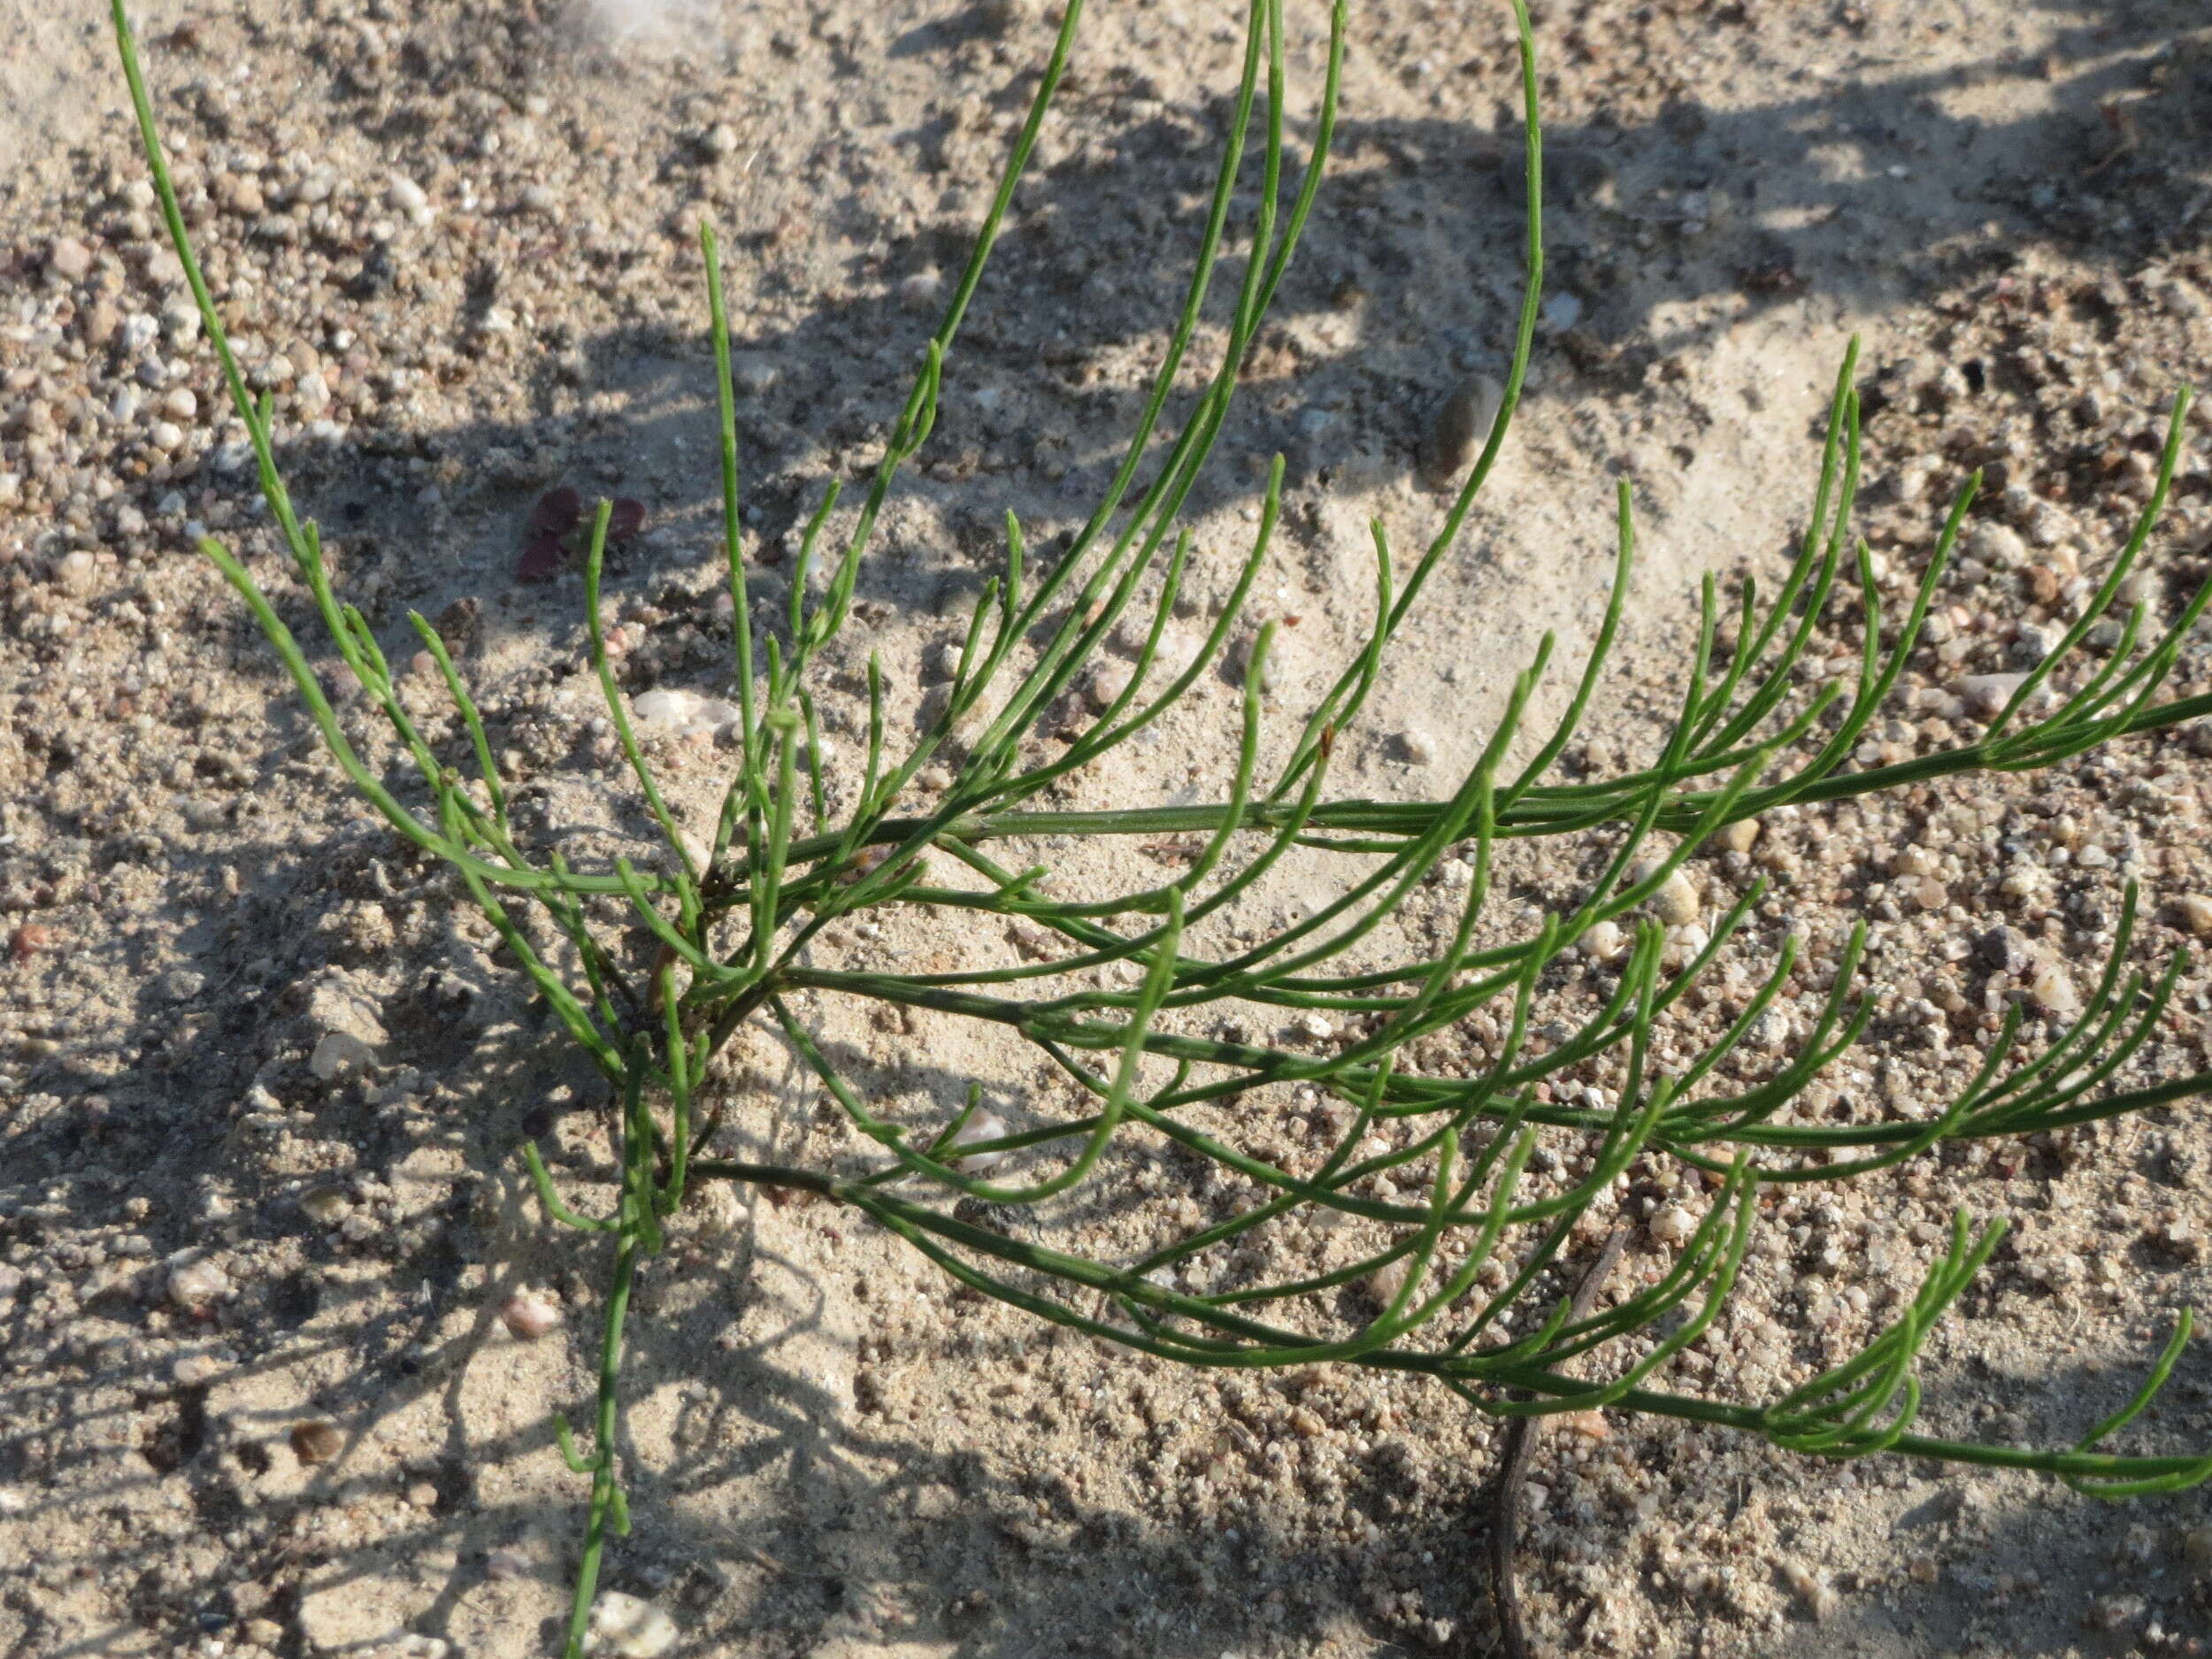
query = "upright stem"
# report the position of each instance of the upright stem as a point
(607, 1502)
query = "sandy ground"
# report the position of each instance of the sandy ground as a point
(454, 240)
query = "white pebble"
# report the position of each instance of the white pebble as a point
(1604, 942)
(2053, 992)
(403, 195)
(195, 1282)
(339, 1054)
(1675, 900)
(1416, 746)
(983, 1126)
(166, 435)
(629, 1627)
(79, 574)
(179, 402)
(681, 712)
(1673, 1224)
(1997, 545)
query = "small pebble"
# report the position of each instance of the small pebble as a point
(2194, 912)
(681, 712)
(529, 1316)
(69, 259)
(79, 574)
(403, 195)
(1998, 546)
(339, 1054)
(2053, 990)
(719, 139)
(2006, 949)
(1105, 687)
(982, 1125)
(196, 1284)
(1737, 837)
(1387, 1281)
(1675, 900)
(1673, 1223)
(629, 1627)
(326, 1206)
(1459, 428)
(1416, 746)
(1605, 941)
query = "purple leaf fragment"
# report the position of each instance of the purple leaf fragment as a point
(624, 521)
(542, 560)
(557, 512)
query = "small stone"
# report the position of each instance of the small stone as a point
(102, 319)
(1675, 900)
(263, 1632)
(1604, 942)
(2031, 645)
(195, 1283)
(326, 1206)
(1461, 424)
(339, 1054)
(2006, 949)
(681, 712)
(196, 1370)
(28, 940)
(629, 1627)
(1987, 694)
(316, 1441)
(529, 1316)
(1737, 837)
(719, 139)
(1416, 746)
(537, 198)
(166, 435)
(1673, 1223)
(1106, 686)
(1998, 546)
(179, 402)
(1314, 1028)
(982, 1125)
(2052, 989)
(2193, 911)
(69, 259)
(403, 195)
(78, 574)
(1384, 1284)
(503, 1564)
(754, 374)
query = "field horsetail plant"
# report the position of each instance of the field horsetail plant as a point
(1456, 1193)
